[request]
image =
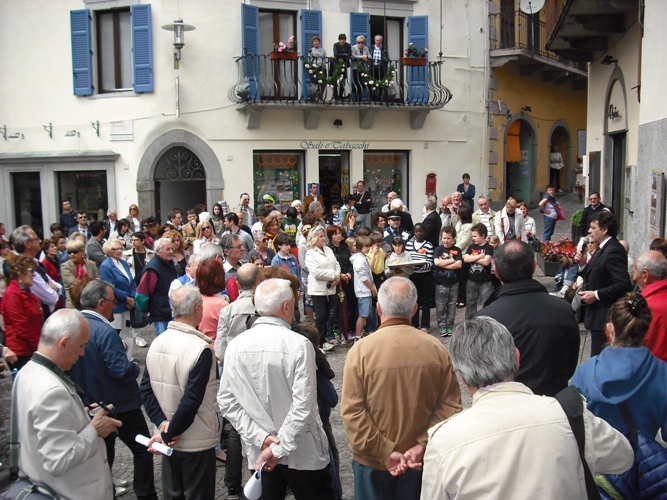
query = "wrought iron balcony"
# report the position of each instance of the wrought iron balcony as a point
(517, 35)
(315, 85)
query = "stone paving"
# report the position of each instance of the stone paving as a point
(123, 468)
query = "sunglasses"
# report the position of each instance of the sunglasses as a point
(206, 228)
(264, 240)
(30, 270)
(116, 249)
(72, 252)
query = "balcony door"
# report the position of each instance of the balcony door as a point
(277, 77)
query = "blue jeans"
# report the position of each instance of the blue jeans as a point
(160, 327)
(376, 484)
(549, 226)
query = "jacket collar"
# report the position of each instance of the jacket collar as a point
(182, 327)
(395, 322)
(245, 294)
(499, 389)
(516, 288)
(273, 321)
(655, 288)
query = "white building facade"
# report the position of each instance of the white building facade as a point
(93, 109)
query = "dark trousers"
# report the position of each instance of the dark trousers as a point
(598, 341)
(189, 475)
(376, 484)
(234, 466)
(133, 424)
(321, 308)
(335, 458)
(425, 285)
(305, 484)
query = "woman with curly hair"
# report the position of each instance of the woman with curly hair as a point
(21, 310)
(180, 253)
(271, 227)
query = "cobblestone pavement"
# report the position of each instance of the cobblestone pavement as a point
(123, 468)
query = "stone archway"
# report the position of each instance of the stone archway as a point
(177, 137)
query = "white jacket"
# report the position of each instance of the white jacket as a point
(322, 268)
(502, 223)
(514, 444)
(269, 386)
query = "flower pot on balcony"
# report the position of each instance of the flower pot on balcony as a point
(292, 56)
(548, 268)
(413, 61)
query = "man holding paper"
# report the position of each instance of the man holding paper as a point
(178, 390)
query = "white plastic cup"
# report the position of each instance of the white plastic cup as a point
(253, 488)
(160, 447)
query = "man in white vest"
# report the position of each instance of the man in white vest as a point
(178, 391)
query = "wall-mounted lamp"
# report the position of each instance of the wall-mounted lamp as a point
(49, 129)
(179, 28)
(338, 123)
(608, 60)
(16, 136)
(527, 109)
(72, 133)
(613, 113)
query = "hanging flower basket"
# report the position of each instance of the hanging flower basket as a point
(413, 61)
(284, 55)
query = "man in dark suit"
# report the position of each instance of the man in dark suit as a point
(111, 222)
(594, 207)
(432, 222)
(606, 277)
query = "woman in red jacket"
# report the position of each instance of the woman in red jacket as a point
(21, 310)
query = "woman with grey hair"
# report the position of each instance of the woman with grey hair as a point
(323, 278)
(262, 248)
(76, 268)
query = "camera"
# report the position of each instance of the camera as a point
(110, 413)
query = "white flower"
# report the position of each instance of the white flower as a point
(319, 81)
(310, 71)
(371, 82)
(307, 66)
(329, 85)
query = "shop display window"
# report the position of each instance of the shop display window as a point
(278, 174)
(386, 171)
(87, 191)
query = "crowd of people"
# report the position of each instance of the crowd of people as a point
(235, 370)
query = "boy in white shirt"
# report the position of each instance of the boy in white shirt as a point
(364, 288)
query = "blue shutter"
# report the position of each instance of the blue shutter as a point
(82, 60)
(311, 25)
(418, 75)
(250, 42)
(360, 24)
(142, 48)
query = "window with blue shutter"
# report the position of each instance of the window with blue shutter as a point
(418, 75)
(142, 48)
(82, 60)
(250, 41)
(311, 25)
(360, 24)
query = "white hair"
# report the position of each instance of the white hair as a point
(62, 323)
(183, 301)
(295, 203)
(313, 235)
(397, 298)
(271, 294)
(160, 243)
(396, 204)
(204, 217)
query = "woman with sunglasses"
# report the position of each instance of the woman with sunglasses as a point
(204, 234)
(262, 249)
(22, 311)
(134, 218)
(76, 268)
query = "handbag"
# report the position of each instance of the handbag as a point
(138, 318)
(561, 213)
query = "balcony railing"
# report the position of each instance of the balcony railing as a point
(262, 79)
(518, 30)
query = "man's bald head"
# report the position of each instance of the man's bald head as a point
(515, 261)
(247, 275)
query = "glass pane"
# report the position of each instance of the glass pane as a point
(28, 201)
(106, 51)
(393, 39)
(125, 30)
(86, 191)
(386, 171)
(286, 23)
(278, 174)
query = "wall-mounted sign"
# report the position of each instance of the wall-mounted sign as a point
(334, 145)
(122, 131)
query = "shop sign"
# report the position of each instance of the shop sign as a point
(334, 145)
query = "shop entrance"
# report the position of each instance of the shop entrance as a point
(334, 176)
(180, 181)
(520, 161)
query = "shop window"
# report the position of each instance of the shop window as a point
(86, 191)
(278, 174)
(386, 171)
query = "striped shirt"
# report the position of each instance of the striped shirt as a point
(421, 251)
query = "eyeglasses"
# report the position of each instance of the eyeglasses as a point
(110, 300)
(72, 252)
(116, 249)
(82, 217)
(263, 240)
(207, 228)
(238, 247)
(30, 270)
(134, 240)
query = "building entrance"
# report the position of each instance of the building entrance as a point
(180, 181)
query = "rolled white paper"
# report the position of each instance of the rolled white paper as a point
(253, 488)
(162, 448)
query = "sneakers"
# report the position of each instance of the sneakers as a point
(120, 490)
(120, 483)
(326, 347)
(333, 341)
(446, 332)
(425, 330)
(139, 341)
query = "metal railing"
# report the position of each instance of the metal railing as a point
(263, 79)
(518, 30)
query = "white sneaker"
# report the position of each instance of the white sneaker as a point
(327, 346)
(120, 483)
(120, 491)
(140, 341)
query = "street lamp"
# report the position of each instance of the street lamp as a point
(179, 28)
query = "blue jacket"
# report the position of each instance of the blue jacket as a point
(290, 263)
(104, 371)
(629, 374)
(122, 288)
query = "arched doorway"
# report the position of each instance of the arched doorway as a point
(560, 140)
(520, 157)
(180, 181)
(146, 175)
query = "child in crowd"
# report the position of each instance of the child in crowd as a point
(335, 214)
(447, 260)
(290, 224)
(257, 260)
(376, 258)
(479, 256)
(398, 256)
(494, 241)
(364, 288)
(422, 250)
(352, 245)
(283, 257)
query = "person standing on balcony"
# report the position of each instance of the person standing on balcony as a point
(380, 62)
(360, 54)
(317, 53)
(341, 50)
